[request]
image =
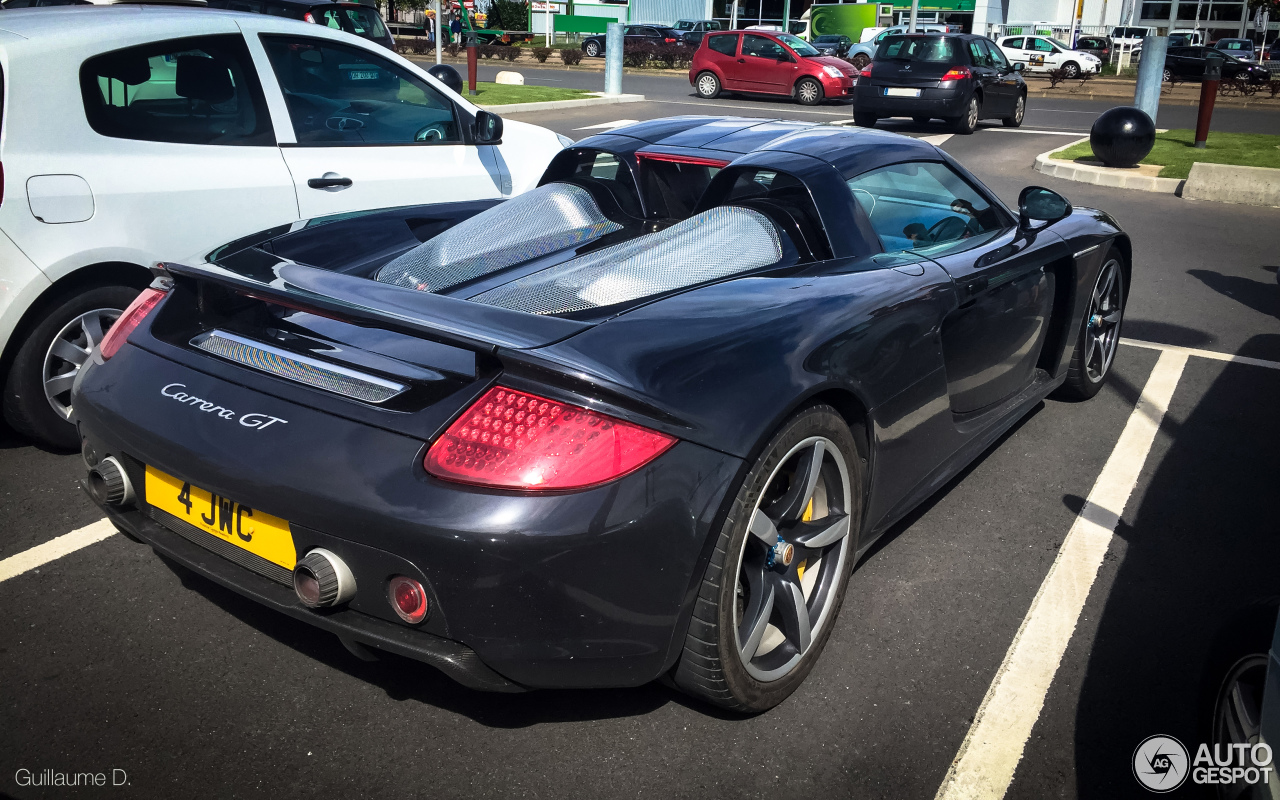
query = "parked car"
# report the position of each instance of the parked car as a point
(169, 142)
(692, 30)
(1243, 49)
(833, 44)
(1044, 53)
(509, 440)
(593, 46)
(1097, 46)
(1187, 64)
(1187, 37)
(354, 18)
(860, 54)
(958, 77)
(768, 63)
(1130, 35)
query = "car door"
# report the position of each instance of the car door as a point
(1042, 55)
(1009, 87)
(1189, 63)
(722, 52)
(992, 341)
(995, 98)
(765, 65)
(370, 133)
(1012, 49)
(167, 153)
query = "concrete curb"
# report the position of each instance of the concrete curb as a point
(1104, 176)
(551, 105)
(1226, 183)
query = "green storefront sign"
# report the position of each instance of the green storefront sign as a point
(935, 5)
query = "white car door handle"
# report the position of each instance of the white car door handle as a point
(329, 182)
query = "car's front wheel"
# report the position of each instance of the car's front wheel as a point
(778, 573)
(707, 85)
(592, 49)
(808, 92)
(1014, 120)
(861, 60)
(1071, 70)
(37, 391)
(1099, 339)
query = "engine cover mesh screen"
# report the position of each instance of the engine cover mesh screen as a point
(527, 226)
(714, 244)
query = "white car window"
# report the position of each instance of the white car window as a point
(342, 95)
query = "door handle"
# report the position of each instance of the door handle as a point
(975, 286)
(330, 182)
(742, 61)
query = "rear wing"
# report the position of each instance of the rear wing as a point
(449, 320)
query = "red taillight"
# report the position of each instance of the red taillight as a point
(408, 599)
(516, 440)
(673, 158)
(308, 18)
(668, 40)
(957, 74)
(866, 71)
(130, 319)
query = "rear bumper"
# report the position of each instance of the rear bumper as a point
(869, 99)
(577, 589)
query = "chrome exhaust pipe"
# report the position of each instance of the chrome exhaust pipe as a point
(109, 484)
(322, 580)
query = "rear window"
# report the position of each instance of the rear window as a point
(201, 90)
(929, 49)
(1236, 44)
(603, 168)
(726, 43)
(360, 20)
(672, 190)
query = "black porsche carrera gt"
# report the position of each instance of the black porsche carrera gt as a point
(638, 422)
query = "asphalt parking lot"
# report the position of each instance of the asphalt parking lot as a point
(113, 659)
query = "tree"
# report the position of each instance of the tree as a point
(508, 15)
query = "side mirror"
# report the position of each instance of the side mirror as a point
(488, 128)
(1018, 66)
(1037, 204)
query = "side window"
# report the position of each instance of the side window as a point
(1013, 44)
(1042, 46)
(977, 55)
(924, 204)
(338, 94)
(603, 168)
(997, 58)
(725, 43)
(761, 47)
(200, 90)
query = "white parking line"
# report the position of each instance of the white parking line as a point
(989, 755)
(54, 549)
(1210, 354)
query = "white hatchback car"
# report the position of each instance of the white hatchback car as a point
(134, 134)
(1043, 53)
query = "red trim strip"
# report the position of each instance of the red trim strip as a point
(701, 161)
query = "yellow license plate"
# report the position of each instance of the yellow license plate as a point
(247, 528)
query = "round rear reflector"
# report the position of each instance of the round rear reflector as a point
(408, 598)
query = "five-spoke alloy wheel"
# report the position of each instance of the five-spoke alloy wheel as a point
(779, 570)
(1100, 332)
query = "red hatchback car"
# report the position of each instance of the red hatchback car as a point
(768, 63)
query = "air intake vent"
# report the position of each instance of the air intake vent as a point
(298, 368)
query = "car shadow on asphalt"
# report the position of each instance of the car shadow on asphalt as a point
(1203, 544)
(404, 679)
(1261, 296)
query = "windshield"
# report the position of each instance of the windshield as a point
(801, 47)
(917, 48)
(829, 39)
(684, 25)
(1061, 44)
(1236, 44)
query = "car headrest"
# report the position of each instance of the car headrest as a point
(203, 78)
(528, 226)
(131, 70)
(724, 241)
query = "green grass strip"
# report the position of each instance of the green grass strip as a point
(1175, 151)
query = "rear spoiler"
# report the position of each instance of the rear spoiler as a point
(448, 320)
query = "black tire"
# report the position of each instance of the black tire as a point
(592, 49)
(808, 92)
(26, 408)
(1071, 70)
(1083, 379)
(1233, 681)
(1014, 120)
(710, 666)
(864, 120)
(861, 60)
(967, 123)
(707, 85)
